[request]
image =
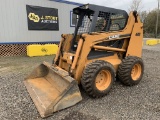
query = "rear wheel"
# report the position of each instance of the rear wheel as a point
(130, 71)
(97, 78)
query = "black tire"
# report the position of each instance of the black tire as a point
(124, 73)
(89, 78)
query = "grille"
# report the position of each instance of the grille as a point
(13, 50)
(86, 23)
(102, 21)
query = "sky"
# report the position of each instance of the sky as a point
(120, 4)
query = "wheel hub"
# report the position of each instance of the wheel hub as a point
(136, 71)
(103, 80)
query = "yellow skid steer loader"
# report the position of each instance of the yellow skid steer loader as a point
(107, 43)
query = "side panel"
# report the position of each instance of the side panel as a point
(114, 60)
(135, 44)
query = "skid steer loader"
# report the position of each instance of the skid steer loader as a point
(107, 43)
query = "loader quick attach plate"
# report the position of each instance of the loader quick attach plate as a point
(52, 89)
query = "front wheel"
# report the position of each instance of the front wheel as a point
(98, 78)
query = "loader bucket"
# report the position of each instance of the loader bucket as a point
(52, 89)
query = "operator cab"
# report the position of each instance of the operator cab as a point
(93, 18)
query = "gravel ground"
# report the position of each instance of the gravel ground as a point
(138, 102)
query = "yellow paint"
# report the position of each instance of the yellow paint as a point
(52, 49)
(152, 42)
(41, 50)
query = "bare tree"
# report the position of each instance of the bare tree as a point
(143, 15)
(135, 5)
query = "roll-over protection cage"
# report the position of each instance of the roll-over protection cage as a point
(93, 18)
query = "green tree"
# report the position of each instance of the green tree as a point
(150, 23)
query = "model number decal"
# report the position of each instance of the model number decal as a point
(138, 34)
(114, 37)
